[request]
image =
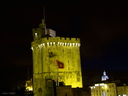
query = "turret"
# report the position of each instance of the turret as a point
(42, 31)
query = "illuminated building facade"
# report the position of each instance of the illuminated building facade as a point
(104, 77)
(55, 58)
(28, 85)
(122, 90)
(103, 89)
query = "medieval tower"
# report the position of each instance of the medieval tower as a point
(55, 58)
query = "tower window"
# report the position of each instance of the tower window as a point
(78, 79)
(51, 54)
(78, 74)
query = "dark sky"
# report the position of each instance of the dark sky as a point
(101, 26)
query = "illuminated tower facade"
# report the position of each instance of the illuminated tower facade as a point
(54, 57)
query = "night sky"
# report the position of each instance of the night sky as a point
(101, 26)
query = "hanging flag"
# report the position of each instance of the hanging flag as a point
(60, 64)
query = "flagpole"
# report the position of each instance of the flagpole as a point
(56, 73)
(57, 79)
(58, 76)
(44, 18)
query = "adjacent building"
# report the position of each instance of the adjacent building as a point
(28, 85)
(108, 88)
(103, 89)
(122, 90)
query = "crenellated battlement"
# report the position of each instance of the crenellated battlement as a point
(36, 30)
(60, 39)
(56, 41)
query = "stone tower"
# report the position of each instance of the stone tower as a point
(56, 58)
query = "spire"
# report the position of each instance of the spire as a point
(46, 32)
(43, 25)
(42, 31)
(44, 13)
(28, 74)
